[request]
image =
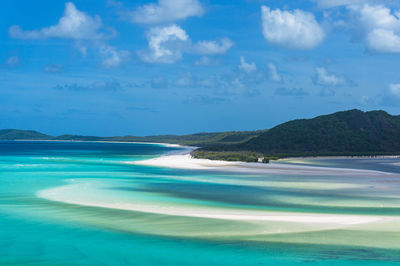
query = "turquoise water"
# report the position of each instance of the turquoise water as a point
(68, 203)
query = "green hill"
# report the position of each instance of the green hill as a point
(199, 139)
(15, 134)
(351, 132)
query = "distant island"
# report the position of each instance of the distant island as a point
(346, 133)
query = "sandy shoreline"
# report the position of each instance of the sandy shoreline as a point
(69, 194)
(239, 221)
(183, 160)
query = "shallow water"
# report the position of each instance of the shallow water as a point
(83, 203)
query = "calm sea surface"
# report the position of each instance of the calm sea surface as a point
(68, 203)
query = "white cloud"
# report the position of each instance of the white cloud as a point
(86, 31)
(379, 26)
(159, 82)
(165, 44)
(54, 68)
(107, 85)
(168, 43)
(74, 24)
(336, 3)
(381, 40)
(295, 30)
(112, 57)
(166, 11)
(213, 47)
(394, 89)
(13, 61)
(185, 80)
(247, 67)
(366, 100)
(206, 61)
(370, 21)
(324, 78)
(83, 49)
(273, 73)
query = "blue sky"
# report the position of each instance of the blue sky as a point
(103, 67)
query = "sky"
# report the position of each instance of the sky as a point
(108, 67)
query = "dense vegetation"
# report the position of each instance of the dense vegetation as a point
(199, 139)
(348, 133)
(228, 156)
(343, 133)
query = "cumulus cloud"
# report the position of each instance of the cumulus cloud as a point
(324, 78)
(158, 82)
(235, 82)
(297, 92)
(213, 47)
(336, 3)
(382, 40)
(185, 80)
(165, 11)
(111, 57)
(366, 100)
(205, 100)
(326, 92)
(273, 73)
(13, 61)
(53, 68)
(108, 85)
(295, 29)
(247, 67)
(167, 44)
(86, 31)
(380, 26)
(206, 61)
(74, 24)
(394, 89)
(391, 95)
(371, 21)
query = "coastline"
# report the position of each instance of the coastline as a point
(183, 160)
(192, 148)
(99, 141)
(240, 221)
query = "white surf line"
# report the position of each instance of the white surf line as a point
(85, 195)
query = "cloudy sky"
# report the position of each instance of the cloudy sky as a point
(108, 67)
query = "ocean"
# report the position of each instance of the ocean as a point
(85, 203)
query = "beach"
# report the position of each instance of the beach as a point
(155, 202)
(183, 160)
(241, 222)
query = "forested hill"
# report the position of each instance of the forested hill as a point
(199, 139)
(352, 132)
(13, 134)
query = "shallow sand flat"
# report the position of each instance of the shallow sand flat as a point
(157, 206)
(185, 161)
(90, 194)
(168, 219)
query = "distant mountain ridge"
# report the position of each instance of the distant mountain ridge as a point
(352, 132)
(199, 139)
(15, 134)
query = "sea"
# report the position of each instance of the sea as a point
(87, 203)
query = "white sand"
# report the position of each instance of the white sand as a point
(88, 194)
(185, 161)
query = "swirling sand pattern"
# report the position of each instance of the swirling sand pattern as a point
(118, 198)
